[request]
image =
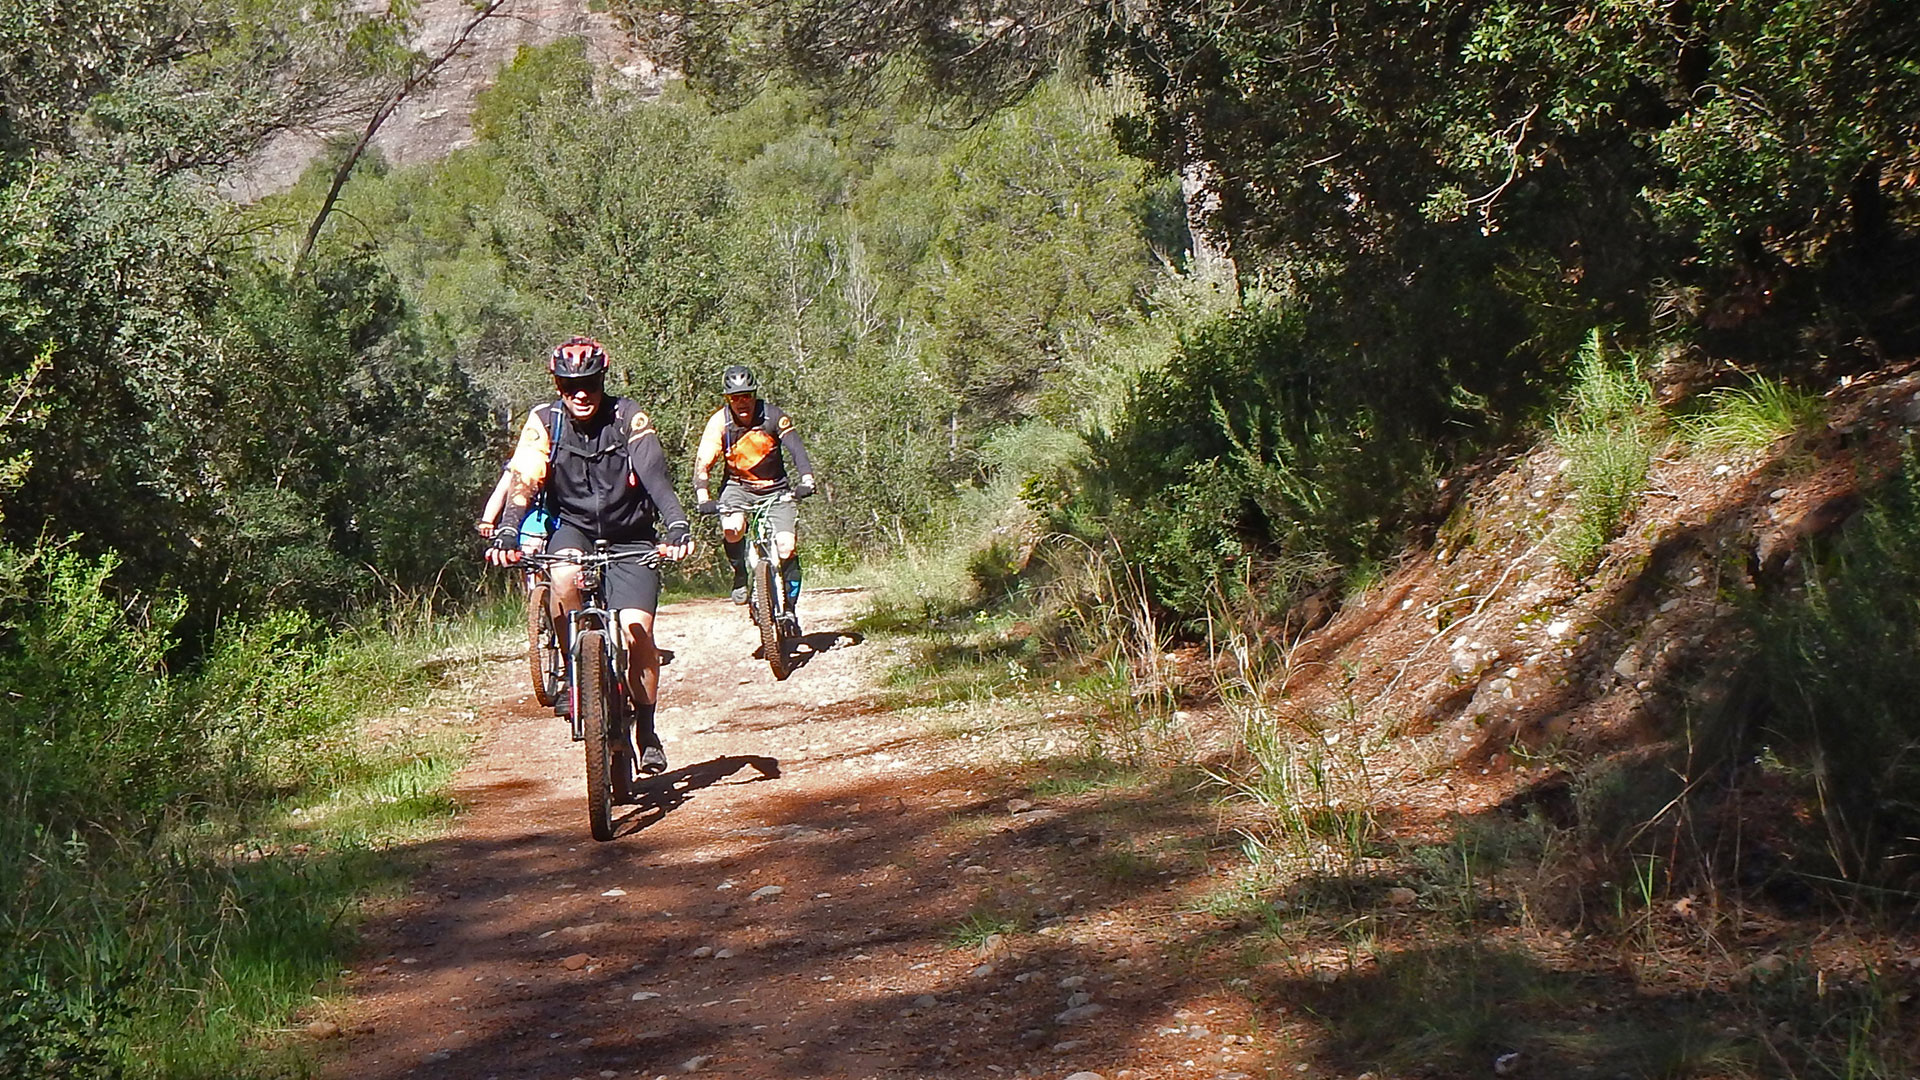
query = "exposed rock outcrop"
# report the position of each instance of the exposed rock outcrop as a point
(437, 119)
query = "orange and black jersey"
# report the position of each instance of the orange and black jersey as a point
(755, 455)
(607, 476)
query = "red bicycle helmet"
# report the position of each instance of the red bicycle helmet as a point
(577, 358)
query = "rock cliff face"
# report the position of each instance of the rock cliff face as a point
(438, 119)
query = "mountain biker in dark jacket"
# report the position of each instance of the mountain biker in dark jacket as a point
(752, 441)
(605, 475)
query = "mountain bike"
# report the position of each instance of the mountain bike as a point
(596, 682)
(767, 603)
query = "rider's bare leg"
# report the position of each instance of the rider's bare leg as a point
(566, 594)
(643, 659)
(643, 680)
(788, 547)
(733, 530)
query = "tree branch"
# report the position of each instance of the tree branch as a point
(379, 117)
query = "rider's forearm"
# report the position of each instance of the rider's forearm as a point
(649, 464)
(796, 453)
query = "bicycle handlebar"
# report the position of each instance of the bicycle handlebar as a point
(593, 558)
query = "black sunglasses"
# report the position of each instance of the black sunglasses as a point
(570, 387)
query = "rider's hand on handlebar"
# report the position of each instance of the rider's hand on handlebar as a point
(708, 507)
(503, 548)
(677, 543)
(804, 489)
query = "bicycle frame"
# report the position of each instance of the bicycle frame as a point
(601, 712)
(762, 548)
(593, 614)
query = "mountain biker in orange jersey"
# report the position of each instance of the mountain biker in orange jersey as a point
(606, 479)
(752, 439)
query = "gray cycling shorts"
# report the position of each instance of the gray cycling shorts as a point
(784, 514)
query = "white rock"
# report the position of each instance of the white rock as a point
(766, 892)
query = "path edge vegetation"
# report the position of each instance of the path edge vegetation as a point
(1171, 344)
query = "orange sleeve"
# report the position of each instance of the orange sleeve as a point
(529, 462)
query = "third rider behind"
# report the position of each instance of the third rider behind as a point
(752, 440)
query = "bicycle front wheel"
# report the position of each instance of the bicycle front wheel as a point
(594, 700)
(543, 644)
(766, 612)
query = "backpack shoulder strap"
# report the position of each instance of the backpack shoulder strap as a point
(553, 432)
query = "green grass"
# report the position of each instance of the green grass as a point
(1752, 417)
(1083, 775)
(1609, 433)
(175, 942)
(981, 924)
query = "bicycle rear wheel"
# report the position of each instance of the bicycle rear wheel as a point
(595, 704)
(543, 645)
(766, 612)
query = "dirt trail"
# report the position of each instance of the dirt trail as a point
(783, 903)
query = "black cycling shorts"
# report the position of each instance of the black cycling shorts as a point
(783, 514)
(630, 583)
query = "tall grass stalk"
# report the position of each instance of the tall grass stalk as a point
(1310, 775)
(1609, 434)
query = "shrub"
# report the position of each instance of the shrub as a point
(1609, 434)
(1266, 440)
(1833, 680)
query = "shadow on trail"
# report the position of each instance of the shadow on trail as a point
(801, 650)
(655, 797)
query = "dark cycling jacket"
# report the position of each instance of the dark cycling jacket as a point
(606, 477)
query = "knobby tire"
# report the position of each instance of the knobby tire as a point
(595, 702)
(543, 645)
(766, 612)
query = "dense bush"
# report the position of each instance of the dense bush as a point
(1831, 686)
(132, 937)
(1261, 441)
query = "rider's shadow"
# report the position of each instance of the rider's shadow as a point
(657, 796)
(802, 650)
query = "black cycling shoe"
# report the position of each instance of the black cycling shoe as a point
(653, 761)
